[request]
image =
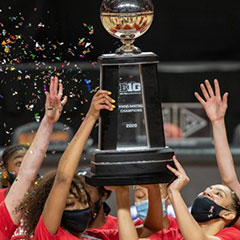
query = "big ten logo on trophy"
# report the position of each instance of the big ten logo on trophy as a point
(129, 88)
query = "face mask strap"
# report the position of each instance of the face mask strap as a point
(165, 199)
(11, 176)
(106, 208)
(96, 209)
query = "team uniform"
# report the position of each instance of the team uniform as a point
(19, 233)
(7, 226)
(173, 233)
(2, 194)
(42, 233)
(111, 223)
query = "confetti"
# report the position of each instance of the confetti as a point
(41, 25)
(19, 44)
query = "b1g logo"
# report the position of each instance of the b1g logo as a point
(129, 88)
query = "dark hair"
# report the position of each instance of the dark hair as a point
(8, 152)
(101, 189)
(32, 206)
(235, 207)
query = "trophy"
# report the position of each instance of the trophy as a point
(131, 144)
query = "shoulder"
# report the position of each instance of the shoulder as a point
(111, 223)
(111, 218)
(7, 226)
(3, 190)
(42, 233)
(104, 234)
(170, 234)
(2, 194)
(230, 233)
(172, 222)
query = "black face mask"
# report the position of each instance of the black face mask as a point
(76, 220)
(11, 176)
(96, 209)
(204, 209)
(106, 208)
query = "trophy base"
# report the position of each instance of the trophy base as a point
(116, 167)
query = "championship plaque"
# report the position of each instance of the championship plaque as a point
(131, 143)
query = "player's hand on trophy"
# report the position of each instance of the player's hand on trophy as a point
(214, 105)
(182, 179)
(54, 102)
(101, 100)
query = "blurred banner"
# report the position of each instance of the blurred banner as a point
(186, 124)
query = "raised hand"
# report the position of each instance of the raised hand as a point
(53, 104)
(182, 179)
(214, 105)
(101, 100)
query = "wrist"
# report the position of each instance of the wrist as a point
(172, 193)
(153, 187)
(47, 121)
(122, 191)
(92, 117)
(218, 121)
(123, 201)
(154, 191)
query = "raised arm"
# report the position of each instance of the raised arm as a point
(188, 226)
(126, 227)
(215, 107)
(154, 218)
(68, 163)
(33, 158)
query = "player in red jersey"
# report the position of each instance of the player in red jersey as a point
(32, 160)
(68, 208)
(213, 213)
(215, 107)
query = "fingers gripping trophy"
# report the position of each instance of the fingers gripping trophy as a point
(131, 144)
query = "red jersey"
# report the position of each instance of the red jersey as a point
(110, 229)
(138, 222)
(20, 233)
(173, 233)
(2, 194)
(7, 226)
(172, 222)
(111, 223)
(230, 233)
(42, 233)
(104, 234)
(21, 237)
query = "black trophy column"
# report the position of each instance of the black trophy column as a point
(131, 138)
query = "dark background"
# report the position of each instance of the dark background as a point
(183, 32)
